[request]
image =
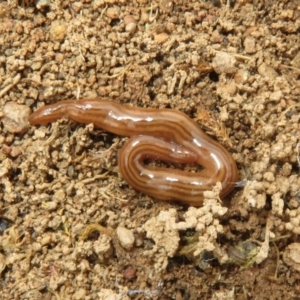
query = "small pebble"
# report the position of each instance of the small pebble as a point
(126, 237)
(291, 256)
(15, 117)
(224, 63)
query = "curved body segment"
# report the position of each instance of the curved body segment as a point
(159, 134)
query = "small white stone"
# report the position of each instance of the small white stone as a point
(125, 237)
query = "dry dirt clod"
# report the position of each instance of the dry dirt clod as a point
(58, 31)
(224, 63)
(113, 12)
(291, 256)
(130, 23)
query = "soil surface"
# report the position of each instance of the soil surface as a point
(71, 227)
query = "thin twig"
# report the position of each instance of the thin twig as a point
(16, 79)
(290, 67)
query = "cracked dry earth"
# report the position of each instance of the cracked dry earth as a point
(71, 227)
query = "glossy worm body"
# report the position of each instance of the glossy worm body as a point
(160, 134)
